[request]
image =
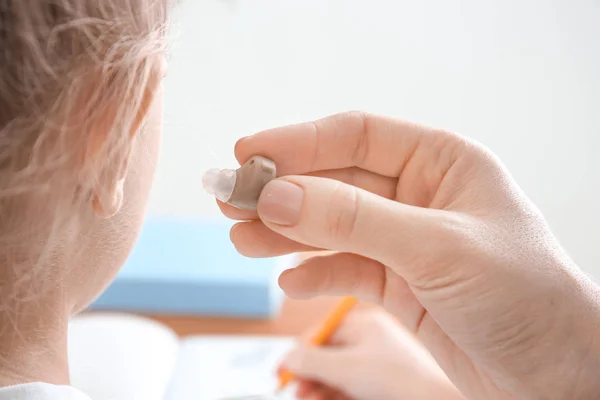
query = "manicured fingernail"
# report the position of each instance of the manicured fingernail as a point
(281, 203)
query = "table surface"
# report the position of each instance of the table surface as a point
(295, 317)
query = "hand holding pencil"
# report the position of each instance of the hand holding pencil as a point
(364, 355)
(327, 330)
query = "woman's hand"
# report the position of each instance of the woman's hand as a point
(371, 357)
(434, 228)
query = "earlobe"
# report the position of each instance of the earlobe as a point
(108, 206)
(107, 198)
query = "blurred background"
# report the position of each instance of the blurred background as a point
(522, 77)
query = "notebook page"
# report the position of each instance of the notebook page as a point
(218, 367)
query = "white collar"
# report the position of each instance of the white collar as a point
(41, 391)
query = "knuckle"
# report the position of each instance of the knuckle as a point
(479, 156)
(361, 143)
(343, 212)
(317, 132)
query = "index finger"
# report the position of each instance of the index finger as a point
(378, 144)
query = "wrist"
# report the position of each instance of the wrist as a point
(572, 355)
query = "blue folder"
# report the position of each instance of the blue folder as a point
(190, 267)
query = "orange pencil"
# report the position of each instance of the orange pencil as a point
(330, 325)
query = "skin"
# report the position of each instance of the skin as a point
(34, 331)
(433, 227)
(370, 357)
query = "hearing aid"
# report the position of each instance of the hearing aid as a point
(240, 187)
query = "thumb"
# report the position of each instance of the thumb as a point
(326, 365)
(328, 214)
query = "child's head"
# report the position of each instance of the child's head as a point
(79, 133)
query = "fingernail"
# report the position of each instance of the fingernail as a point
(233, 231)
(281, 203)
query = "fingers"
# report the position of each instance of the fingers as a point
(309, 390)
(331, 215)
(312, 390)
(235, 213)
(254, 239)
(329, 366)
(378, 144)
(336, 275)
(342, 336)
(345, 274)
(369, 181)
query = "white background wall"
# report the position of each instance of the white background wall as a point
(523, 77)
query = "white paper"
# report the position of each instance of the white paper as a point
(121, 356)
(220, 367)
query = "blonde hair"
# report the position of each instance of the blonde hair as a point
(71, 71)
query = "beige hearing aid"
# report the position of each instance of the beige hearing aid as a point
(240, 187)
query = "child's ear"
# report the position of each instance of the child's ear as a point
(107, 195)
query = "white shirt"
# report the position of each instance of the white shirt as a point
(41, 391)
